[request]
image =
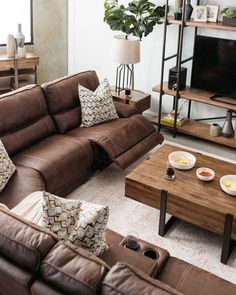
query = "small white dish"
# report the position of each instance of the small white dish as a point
(228, 184)
(182, 160)
(203, 170)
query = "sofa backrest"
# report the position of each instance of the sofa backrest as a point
(63, 100)
(24, 118)
(73, 270)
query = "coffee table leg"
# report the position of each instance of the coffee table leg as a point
(227, 242)
(163, 226)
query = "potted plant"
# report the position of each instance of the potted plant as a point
(229, 17)
(138, 18)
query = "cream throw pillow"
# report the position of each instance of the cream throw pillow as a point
(97, 106)
(7, 168)
(79, 222)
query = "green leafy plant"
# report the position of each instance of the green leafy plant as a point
(229, 12)
(138, 18)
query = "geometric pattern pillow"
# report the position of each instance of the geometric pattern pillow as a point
(7, 168)
(89, 231)
(97, 106)
(59, 215)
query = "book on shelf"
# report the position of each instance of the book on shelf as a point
(169, 119)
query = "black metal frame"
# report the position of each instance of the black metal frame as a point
(228, 243)
(124, 77)
(179, 63)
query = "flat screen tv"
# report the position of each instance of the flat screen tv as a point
(214, 66)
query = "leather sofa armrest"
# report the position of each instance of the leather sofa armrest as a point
(125, 110)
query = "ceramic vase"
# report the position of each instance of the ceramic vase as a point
(188, 10)
(21, 52)
(11, 46)
(215, 130)
(227, 129)
(20, 38)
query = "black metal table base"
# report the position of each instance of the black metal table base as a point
(228, 243)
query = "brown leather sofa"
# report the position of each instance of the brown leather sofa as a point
(33, 261)
(40, 128)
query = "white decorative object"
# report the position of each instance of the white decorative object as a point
(97, 106)
(182, 160)
(205, 174)
(200, 13)
(228, 184)
(11, 46)
(21, 52)
(215, 130)
(20, 38)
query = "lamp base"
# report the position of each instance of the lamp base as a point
(124, 78)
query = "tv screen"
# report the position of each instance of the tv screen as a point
(214, 66)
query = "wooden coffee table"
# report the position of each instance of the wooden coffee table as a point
(187, 198)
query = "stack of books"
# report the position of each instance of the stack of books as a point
(169, 119)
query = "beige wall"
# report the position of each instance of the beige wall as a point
(51, 38)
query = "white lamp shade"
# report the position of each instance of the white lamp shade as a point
(126, 51)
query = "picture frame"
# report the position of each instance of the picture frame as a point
(200, 13)
(212, 13)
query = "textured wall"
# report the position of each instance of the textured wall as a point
(51, 38)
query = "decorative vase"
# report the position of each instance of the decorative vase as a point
(188, 10)
(11, 46)
(21, 52)
(215, 130)
(20, 38)
(227, 129)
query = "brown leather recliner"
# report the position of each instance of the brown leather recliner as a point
(33, 261)
(41, 132)
(124, 140)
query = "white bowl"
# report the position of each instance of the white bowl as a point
(188, 160)
(205, 178)
(229, 190)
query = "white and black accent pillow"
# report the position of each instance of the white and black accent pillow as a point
(97, 106)
(90, 229)
(7, 168)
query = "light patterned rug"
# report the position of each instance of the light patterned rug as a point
(185, 241)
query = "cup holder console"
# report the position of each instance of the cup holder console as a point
(151, 253)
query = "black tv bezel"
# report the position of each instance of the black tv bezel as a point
(215, 96)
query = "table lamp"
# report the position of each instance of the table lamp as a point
(126, 52)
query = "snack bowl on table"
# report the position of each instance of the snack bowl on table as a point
(182, 160)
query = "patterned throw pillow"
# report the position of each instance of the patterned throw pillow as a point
(7, 168)
(97, 106)
(60, 215)
(90, 228)
(79, 222)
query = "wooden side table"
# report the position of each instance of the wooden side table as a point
(138, 98)
(18, 67)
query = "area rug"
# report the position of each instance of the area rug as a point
(185, 241)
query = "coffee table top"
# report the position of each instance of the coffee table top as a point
(150, 174)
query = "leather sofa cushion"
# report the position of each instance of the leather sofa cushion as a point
(126, 280)
(24, 118)
(116, 136)
(39, 287)
(73, 270)
(189, 279)
(22, 242)
(23, 182)
(59, 159)
(63, 99)
(124, 110)
(14, 280)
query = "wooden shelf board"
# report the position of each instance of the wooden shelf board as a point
(197, 129)
(199, 95)
(209, 25)
(21, 72)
